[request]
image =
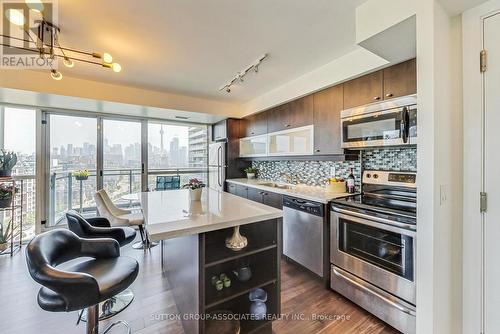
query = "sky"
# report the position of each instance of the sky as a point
(20, 131)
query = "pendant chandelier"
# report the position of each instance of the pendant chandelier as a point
(44, 40)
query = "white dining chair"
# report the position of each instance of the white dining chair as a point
(122, 217)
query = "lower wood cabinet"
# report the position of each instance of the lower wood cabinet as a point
(266, 197)
(231, 188)
(257, 195)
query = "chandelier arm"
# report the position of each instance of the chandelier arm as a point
(55, 55)
(60, 47)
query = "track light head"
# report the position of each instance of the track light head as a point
(228, 89)
(256, 68)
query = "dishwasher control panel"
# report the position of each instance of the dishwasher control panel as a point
(310, 207)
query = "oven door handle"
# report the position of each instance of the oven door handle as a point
(381, 223)
(397, 305)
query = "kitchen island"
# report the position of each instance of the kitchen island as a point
(193, 235)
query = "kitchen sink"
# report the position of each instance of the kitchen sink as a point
(276, 185)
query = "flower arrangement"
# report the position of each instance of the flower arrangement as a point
(81, 174)
(195, 187)
(194, 184)
(7, 162)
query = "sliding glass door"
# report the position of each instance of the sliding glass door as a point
(72, 150)
(121, 155)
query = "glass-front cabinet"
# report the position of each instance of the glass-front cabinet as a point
(298, 141)
(253, 146)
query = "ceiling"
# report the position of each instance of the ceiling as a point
(456, 7)
(193, 47)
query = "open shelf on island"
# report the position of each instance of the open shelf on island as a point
(262, 266)
(261, 236)
(241, 305)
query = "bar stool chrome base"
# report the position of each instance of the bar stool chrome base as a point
(144, 245)
(93, 323)
(111, 307)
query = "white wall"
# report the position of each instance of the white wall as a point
(439, 160)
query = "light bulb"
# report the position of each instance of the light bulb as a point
(68, 62)
(107, 58)
(15, 16)
(35, 5)
(116, 67)
(56, 75)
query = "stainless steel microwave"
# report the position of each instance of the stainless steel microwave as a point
(387, 123)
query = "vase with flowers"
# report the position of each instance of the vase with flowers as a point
(195, 187)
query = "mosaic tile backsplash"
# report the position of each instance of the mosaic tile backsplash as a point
(394, 159)
(316, 173)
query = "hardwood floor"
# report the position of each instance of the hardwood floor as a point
(301, 294)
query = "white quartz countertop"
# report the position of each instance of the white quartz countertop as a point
(171, 214)
(311, 193)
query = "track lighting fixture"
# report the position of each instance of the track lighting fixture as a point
(46, 42)
(240, 75)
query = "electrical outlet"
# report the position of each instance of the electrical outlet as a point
(332, 171)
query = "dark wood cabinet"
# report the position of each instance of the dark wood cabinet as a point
(273, 199)
(231, 188)
(255, 195)
(242, 191)
(278, 118)
(255, 125)
(301, 112)
(291, 115)
(219, 131)
(238, 190)
(400, 79)
(328, 104)
(363, 90)
(265, 197)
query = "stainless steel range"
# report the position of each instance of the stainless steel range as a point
(373, 247)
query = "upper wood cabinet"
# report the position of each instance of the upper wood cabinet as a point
(363, 90)
(400, 79)
(301, 112)
(278, 118)
(254, 125)
(328, 104)
(395, 81)
(291, 115)
(219, 130)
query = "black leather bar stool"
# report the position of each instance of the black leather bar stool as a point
(83, 284)
(99, 227)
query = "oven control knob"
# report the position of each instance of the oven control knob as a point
(368, 175)
(375, 176)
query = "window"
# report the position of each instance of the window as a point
(17, 133)
(176, 150)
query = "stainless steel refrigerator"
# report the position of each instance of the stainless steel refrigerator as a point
(217, 165)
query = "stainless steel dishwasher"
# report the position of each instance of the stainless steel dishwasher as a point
(303, 233)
